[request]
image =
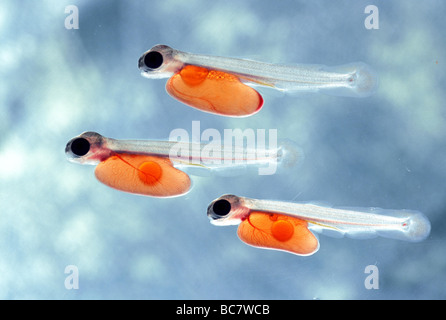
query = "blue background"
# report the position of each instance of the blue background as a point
(387, 151)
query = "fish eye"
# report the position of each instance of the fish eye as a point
(80, 147)
(221, 207)
(153, 60)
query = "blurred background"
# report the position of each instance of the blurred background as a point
(387, 150)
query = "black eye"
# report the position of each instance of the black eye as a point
(153, 60)
(221, 207)
(80, 147)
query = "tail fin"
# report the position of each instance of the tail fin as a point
(416, 228)
(289, 154)
(363, 81)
